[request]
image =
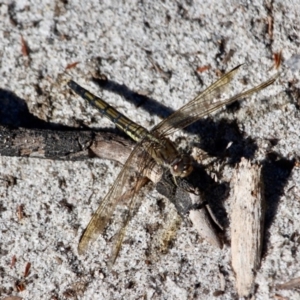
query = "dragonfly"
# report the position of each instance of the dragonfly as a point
(154, 145)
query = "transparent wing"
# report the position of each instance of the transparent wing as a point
(203, 104)
(132, 207)
(115, 196)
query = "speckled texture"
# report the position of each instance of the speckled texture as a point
(126, 38)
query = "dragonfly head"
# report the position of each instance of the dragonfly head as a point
(182, 166)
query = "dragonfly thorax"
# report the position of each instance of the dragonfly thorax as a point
(165, 153)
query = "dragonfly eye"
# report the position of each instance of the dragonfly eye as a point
(182, 166)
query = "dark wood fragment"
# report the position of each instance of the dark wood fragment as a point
(59, 144)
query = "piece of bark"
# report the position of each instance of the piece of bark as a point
(204, 227)
(54, 144)
(69, 145)
(247, 225)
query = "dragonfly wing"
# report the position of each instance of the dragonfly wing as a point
(203, 104)
(132, 207)
(114, 197)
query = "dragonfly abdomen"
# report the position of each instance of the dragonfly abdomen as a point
(133, 130)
